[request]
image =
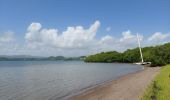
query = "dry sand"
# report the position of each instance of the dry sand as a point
(128, 87)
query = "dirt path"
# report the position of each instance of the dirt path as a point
(129, 87)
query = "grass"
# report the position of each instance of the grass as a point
(160, 87)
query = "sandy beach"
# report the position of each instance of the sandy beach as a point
(128, 87)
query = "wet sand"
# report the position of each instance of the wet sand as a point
(128, 87)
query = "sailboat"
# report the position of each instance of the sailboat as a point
(141, 55)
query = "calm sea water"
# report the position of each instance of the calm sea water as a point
(54, 80)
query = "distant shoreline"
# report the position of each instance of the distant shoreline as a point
(32, 58)
(121, 85)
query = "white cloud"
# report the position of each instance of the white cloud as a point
(158, 36)
(107, 39)
(72, 37)
(77, 40)
(74, 41)
(127, 41)
(126, 35)
(34, 27)
(7, 37)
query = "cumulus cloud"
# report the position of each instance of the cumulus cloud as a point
(78, 40)
(158, 37)
(107, 39)
(126, 35)
(129, 40)
(72, 37)
(126, 41)
(73, 41)
(7, 37)
(34, 27)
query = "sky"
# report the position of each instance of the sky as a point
(81, 27)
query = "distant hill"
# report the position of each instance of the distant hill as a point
(36, 58)
(65, 58)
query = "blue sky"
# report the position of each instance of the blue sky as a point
(144, 16)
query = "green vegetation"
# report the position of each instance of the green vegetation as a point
(158, 55)
(65, 58)
(105, 57)
(160, 87)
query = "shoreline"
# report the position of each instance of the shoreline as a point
(115, 88)
(91, 87)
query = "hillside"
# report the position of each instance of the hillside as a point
(158, 55)
(35, 58)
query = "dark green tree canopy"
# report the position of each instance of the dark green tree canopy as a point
(157, 55)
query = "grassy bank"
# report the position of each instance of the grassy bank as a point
(160, 87)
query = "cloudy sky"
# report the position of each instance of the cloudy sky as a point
(81, 27)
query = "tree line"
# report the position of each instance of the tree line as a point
(158, 55)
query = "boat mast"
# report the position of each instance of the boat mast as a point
(140, 47)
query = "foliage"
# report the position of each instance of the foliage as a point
(160, 88)
(105, 57)
(158, 55)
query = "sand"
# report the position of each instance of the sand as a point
(128, 87)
